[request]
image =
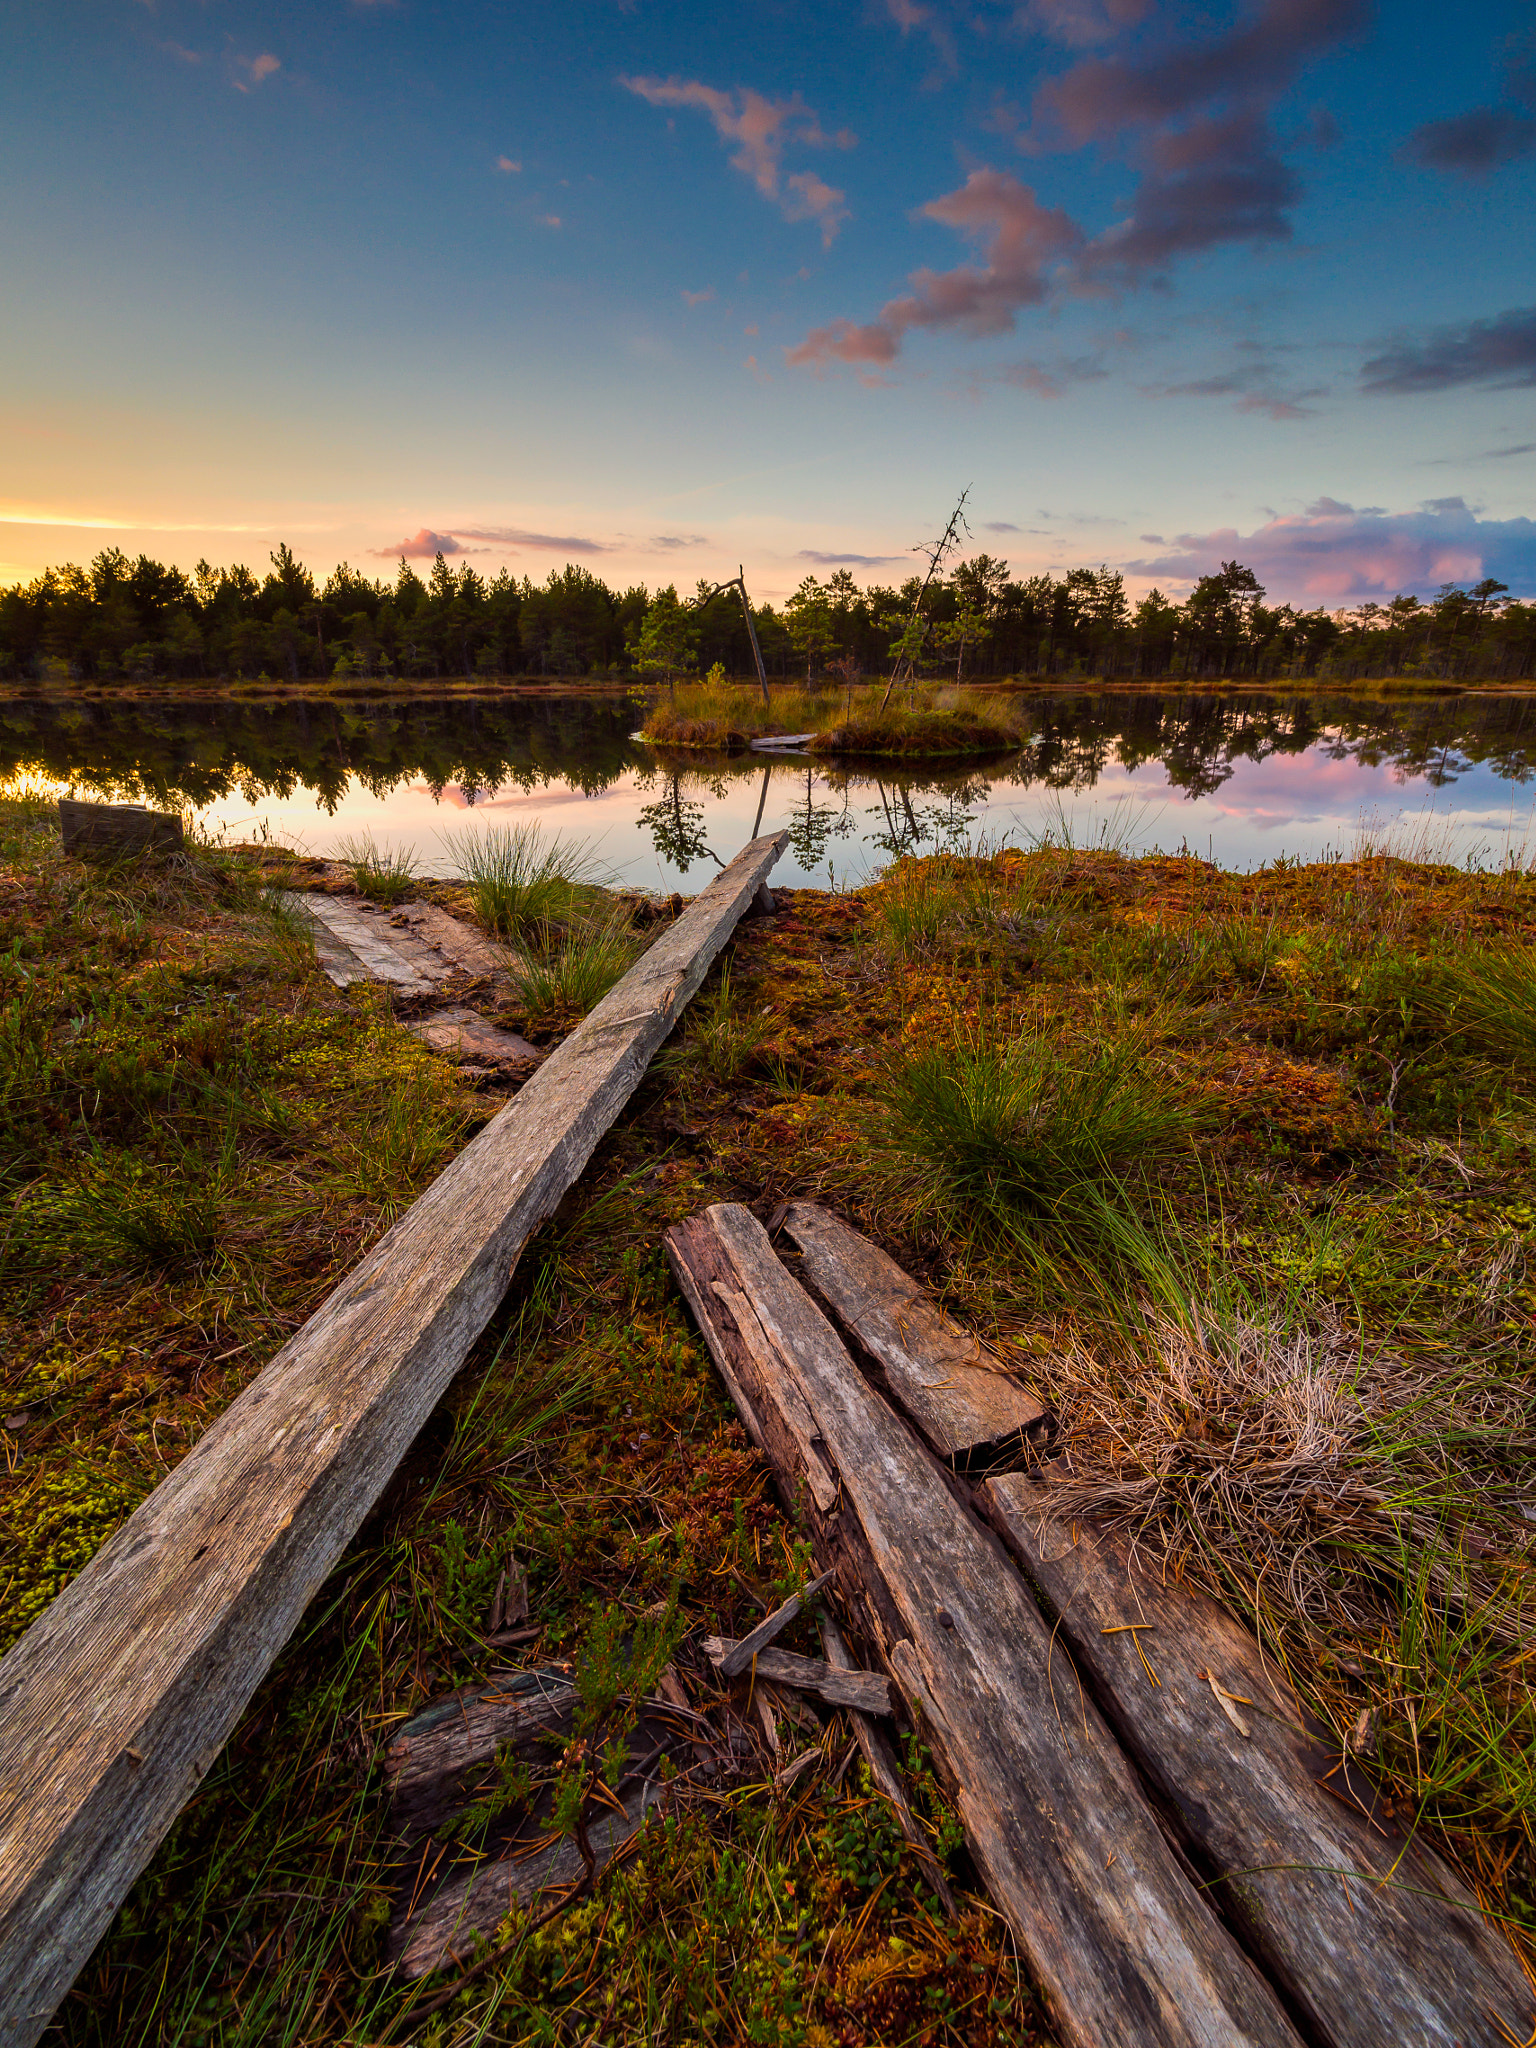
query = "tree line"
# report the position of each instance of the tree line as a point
(141, 620)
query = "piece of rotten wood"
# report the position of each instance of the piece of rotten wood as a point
(868, 1691)
(959, 1394)
(1122, 1945)
(471, 1904)
(366, 938)
(740, 1654)
(430, 1758)
(1367, 1932)
(464, 1036)
(119, 1696)
(116, 831)
(884, 1771)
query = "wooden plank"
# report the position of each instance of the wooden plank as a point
(1369, 1934)
(1123, 1946)
(961, 1396)
(470, 1039)
(428, 1761)
(120, 1695)
(365, 937)
(459, 946)
(867, 1691)
(113, 831)
(739, 1655)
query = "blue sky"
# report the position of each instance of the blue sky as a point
(662, 289)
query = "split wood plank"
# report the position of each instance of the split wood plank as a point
(960, 1395)
(473, 1904)
(739, 1655)
(1369, 1934)
(867, 1691)
(113, 831)
(363, 938)
(1169, 1667)
(1124, 1948)
(119, 1697)
(426, 1764)
(460, 945)
(468, 1038)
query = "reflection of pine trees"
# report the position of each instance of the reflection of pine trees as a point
(178, 755)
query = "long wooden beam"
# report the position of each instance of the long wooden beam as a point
(120, 1696)
(1124, 1948)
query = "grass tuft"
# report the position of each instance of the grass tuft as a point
(385, 877)
(578, 970)
(522, 884)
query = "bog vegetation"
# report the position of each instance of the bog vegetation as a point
(121, 620)
(1238, 1172)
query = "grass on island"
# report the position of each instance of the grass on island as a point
(1238, 1171)
(922, 720)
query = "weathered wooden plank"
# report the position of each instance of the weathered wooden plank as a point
(472, 1904)
(739, 1655)
(428, 1761)
(1124, 1948)
(460, 945)
(113, 831)
(1370, 1936)
(960, 1395)
(368, 938)
(867, 1691)
(463, 1036)
(118, 1698)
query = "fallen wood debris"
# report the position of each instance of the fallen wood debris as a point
(1118, 1937)
(114, 831)
(119, 1697)
(1367, 1933)
(868, 1691)
(468, 1038)
(959, 1394)
(739, 1655)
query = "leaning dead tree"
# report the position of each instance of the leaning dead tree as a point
(738, 583)
(911, 635)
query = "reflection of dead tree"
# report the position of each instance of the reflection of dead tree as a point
(912, 638)
(762, 798)
(851, 669)
(739, 583)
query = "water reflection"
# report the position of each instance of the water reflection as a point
(1259, 774)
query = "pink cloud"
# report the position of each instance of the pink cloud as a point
(1020, 240)
(761, 130)
(507, 163)
(1333, 554)
(422, 546)
(699, 298)
(255, 69)
(1079, 23)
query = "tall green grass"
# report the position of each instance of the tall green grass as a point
(387, 877)
(1487, 999)
(722, 1038)
(578, 970)
(524, 885)
(1013, 1135)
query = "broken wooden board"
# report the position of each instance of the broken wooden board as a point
(428, 1762)
(1122, 1945)
(121, 1694)
(115, 831)
(465, 1037)
(459, 946)
(356, 935)
(960, 1395)
(1369, 1935)
(472, 1904)
(869, 1692)
(740, 1655)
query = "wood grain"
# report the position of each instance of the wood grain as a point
(960, 1395)
(113, 831)
(737, 1656)
(121, 1694)
(1370, 1935)
(1122, 1945)
(867, 1691)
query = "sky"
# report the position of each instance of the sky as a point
(663, 289)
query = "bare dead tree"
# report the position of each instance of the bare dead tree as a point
(944, 546)
(739, 583)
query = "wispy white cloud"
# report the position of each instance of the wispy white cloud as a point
(761, 130)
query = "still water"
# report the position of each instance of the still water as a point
(1241, 779)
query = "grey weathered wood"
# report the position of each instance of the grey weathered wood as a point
(473, 1904)
(739, 1655)
(867, 1691)
(1369, 1934)
(460, 946)
(427, 1762)
(1123, 1946)
(367, 938)
(960, 1395)
(112, 831)
(463, 1036)
(119, 1697)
